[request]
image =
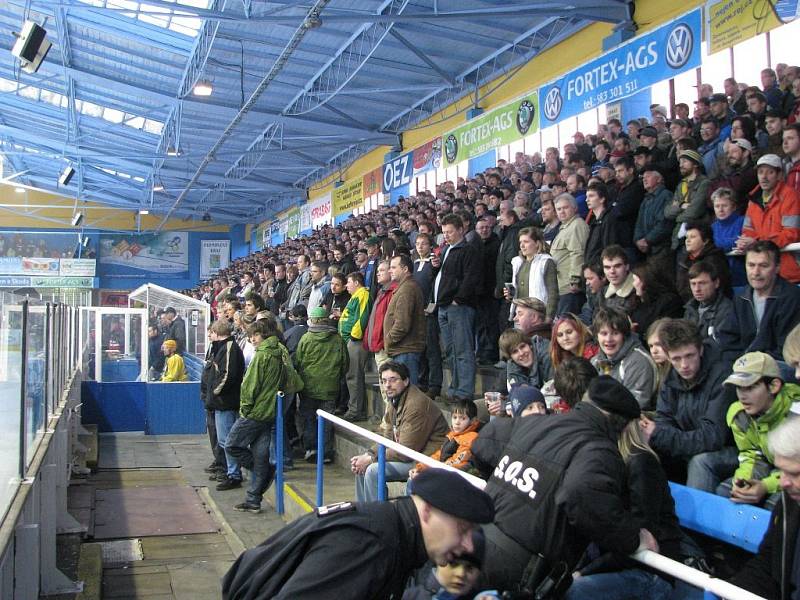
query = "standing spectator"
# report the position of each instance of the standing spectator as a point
(709, 308)
(711, 147)
(628, 200)
(689, 431)
(765, 312)
(773, 214)
(594, 280)
(764, 402)
(318, 285)
(567, 250)
(371, 265)
(739, 174)
(772, 92)
(249, 438)
(656, 296)
(791, 150)
(652, 231)
(509, 248)
(549, 217)
(322, 362)
(174, 369)
(298, 317)
(619, 293)
(176, 329)
(689, 201)
(727, 229)
(604, 229)
(352, 324)
(453, 292)
(404, 330)
(431, 368)
(247, 286)
(487, 320)
(342, 260)
(222, 378)
(276, 292)
(154, 355)
(535, 272)
(373, 335)
(411, 419)
(337, 298)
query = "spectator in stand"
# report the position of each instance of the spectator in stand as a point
(656, 296)
(622, 357)
(793, 109)
(176, 329)
(342, 260)
(221, 381)
(601, 152)
(458, 276)
(657, 353)
(727, 229)
(757, 107)
(299, 320)
(765, 401)
(337, 298)
(711, 148)
(567, 250)
(721, 113)
(373, 335)
(248, 285)
(740, 173)
(410, 419)
(277, 289)
(769, 573)
(774, 122)
(619, 292)
(791, 160)
(594, 280)
(689, 201)
(653, 230)
(527, 359)
(769, 85)
(174, 369)
(404, 330)
(534, 272)
(318, 285)
(699, 246)
(604, 229)
(154, 354)
(322, 362)
(352, 325)
(628, 200)
(773, 214)
(735, 96)
(648, 137)
(487, 320)
(570, 339)
(431, 368)
(296, 285)
(371, 267)
(709, 307)
(249, 438)
(689, 431)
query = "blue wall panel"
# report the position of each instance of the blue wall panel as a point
(114, 406)
(174, 408)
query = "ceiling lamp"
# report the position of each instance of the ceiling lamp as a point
(158, 187)
(19, 190)
(173, 151)
(203, 88)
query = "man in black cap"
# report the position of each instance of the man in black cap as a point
(352, 550)
(558, 484)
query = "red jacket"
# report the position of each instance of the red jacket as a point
(373, 337)
(778, 222)
(793, 177)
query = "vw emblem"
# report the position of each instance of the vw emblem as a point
(679, 46)
(553, 103)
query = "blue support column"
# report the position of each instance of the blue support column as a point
(381, 472)
(320, 457)
(279, 455)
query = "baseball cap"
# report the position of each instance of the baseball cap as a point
(751, 368)
(649, 132)
(743, 144)
(771, 160)
(718, 98)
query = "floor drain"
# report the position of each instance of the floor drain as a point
(121, 552)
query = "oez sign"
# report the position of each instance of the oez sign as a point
(397, 172)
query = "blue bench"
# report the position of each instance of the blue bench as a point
(740, 525)
(194, 366)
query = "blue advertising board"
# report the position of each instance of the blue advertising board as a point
(635, 65)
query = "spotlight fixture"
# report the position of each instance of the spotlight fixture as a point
(31, 46)
(173, 151)
(158, 187)
(144, 211)
(203, 88)
(77, 219)
(19, 190)
(85, 241)
(66, 176)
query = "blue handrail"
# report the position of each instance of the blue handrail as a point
(381, 472)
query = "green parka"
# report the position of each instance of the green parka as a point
(322, 361)
(262, 381)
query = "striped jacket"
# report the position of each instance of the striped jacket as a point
(355, 315)
(779, 222)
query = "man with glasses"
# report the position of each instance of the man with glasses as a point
(410, 419)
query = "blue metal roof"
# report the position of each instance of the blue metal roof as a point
(300, 89)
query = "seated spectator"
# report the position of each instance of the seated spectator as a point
(764, 402)
(791, 351)
(699, 246)
(527, 360)
(457, 449)
(524, 400)
(595, 280)
(689, 431)
(567, 250)
(773, 214)
(726, 229)
(791, 151)
(622, 357)
(534, 272)
(711, 146)
(455, 580)
(709, 308)
(570, 382)
(689, 201)
(619, 293)
(410, 419)
(322, 361)
(652, 339)
(656, 297)
(530, 318)
(174, 369)
(570, 338)
(739, 174)
(765, 312)
(653, 229)
(767, 574)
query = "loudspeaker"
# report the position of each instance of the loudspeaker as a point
(31, 46)
(66, 176)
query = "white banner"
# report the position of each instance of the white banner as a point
(79, 267)
(305, 218)
(321, 213)
(214, 255)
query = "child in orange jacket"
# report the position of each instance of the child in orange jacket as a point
(457, 450)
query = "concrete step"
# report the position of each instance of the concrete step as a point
(90, 572)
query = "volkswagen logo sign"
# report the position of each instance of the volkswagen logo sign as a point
(451, 148)
(553, 103)
(679, 46)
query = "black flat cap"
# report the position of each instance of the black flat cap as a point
(453, 494)
(610, 395)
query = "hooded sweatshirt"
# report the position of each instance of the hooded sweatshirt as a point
(633, 368)
(322, 361)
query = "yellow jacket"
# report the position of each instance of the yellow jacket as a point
(174, 369)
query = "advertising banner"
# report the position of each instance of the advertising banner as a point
(321, 211)
(40, 266)
(293, 223)
(12, 281)
(639, 63)
(732, 21)
(10, 265)
(275, 233)
(503, 125)
(262, 235)
(373, 182)
(80, 267)
(62, 282)
(214, 256)
(161, 254)
(305, 218)
(348, 196)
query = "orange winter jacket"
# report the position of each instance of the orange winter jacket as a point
(778, 222)
(463, 441)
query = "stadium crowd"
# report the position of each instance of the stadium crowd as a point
(653, 252)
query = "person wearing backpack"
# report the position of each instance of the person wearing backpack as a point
(249, 439)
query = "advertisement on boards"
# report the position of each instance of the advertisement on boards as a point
(160, 254)
(215, 255)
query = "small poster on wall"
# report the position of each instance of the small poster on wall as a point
(214, 256)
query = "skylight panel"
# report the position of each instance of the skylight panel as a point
(158, 15)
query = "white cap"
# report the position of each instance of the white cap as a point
(771, 160)
(743, 144)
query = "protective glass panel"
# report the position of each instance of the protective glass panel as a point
(10, 392)
(120, 348)
(35, 376)
(87, 340)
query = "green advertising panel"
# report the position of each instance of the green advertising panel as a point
(503, 125)
(294, 223)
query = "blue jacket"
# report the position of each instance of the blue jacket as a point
(726, 232)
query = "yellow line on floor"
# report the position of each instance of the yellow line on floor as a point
(297, 497)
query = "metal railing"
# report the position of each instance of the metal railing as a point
(712, 585)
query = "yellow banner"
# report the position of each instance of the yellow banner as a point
(733, 21)
(348, 196)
